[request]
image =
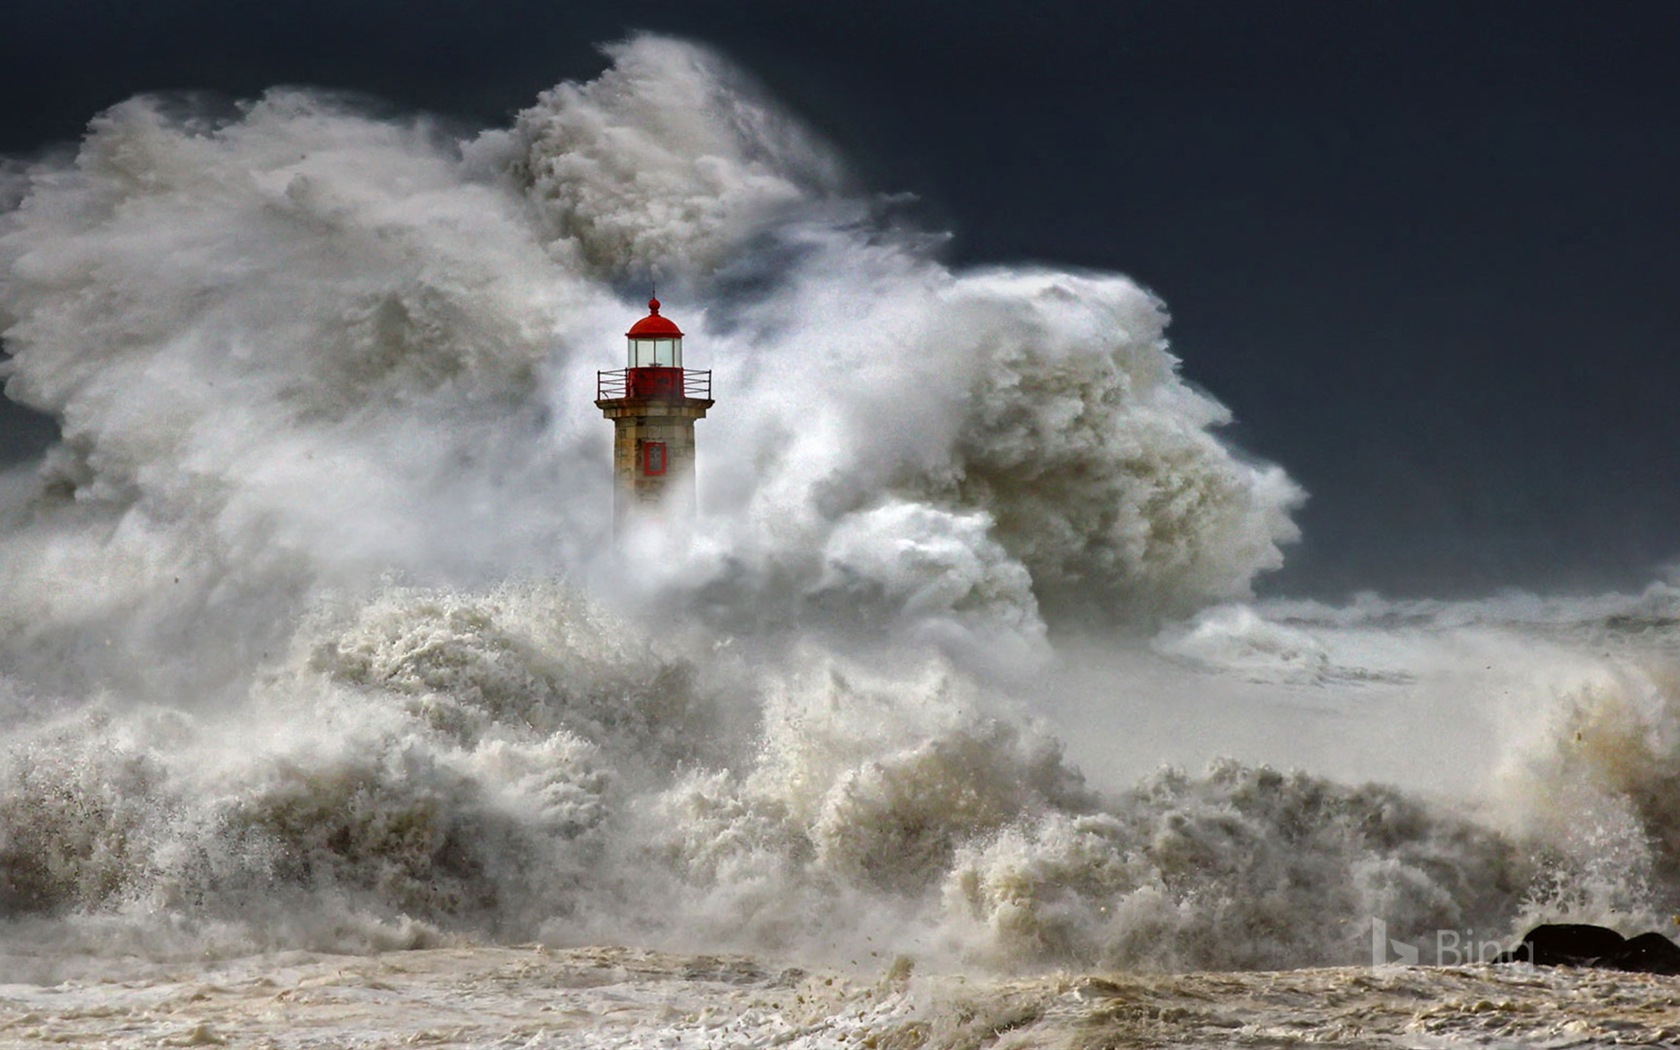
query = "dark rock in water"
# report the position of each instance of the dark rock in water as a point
(1648, 953)
(1565, 944)
(1579, 944)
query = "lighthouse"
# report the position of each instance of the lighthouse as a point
(653, 402)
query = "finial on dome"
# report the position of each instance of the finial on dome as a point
(654, 326)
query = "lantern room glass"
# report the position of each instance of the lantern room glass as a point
(655, 353)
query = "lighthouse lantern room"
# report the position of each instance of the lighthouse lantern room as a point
(653, 402)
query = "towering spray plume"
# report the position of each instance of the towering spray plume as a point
(302, 348)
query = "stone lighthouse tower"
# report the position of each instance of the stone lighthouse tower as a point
(653, 402)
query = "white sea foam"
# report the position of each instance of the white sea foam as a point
(314, 635)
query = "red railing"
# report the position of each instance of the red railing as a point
(654, 383)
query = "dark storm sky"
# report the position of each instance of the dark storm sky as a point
(1427, 252)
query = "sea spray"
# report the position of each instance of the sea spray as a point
(300, 347)
(314, 635)
(517, 764)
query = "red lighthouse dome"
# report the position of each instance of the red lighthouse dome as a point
(653, 326)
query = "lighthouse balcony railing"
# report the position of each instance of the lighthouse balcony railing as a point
(654, 383)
